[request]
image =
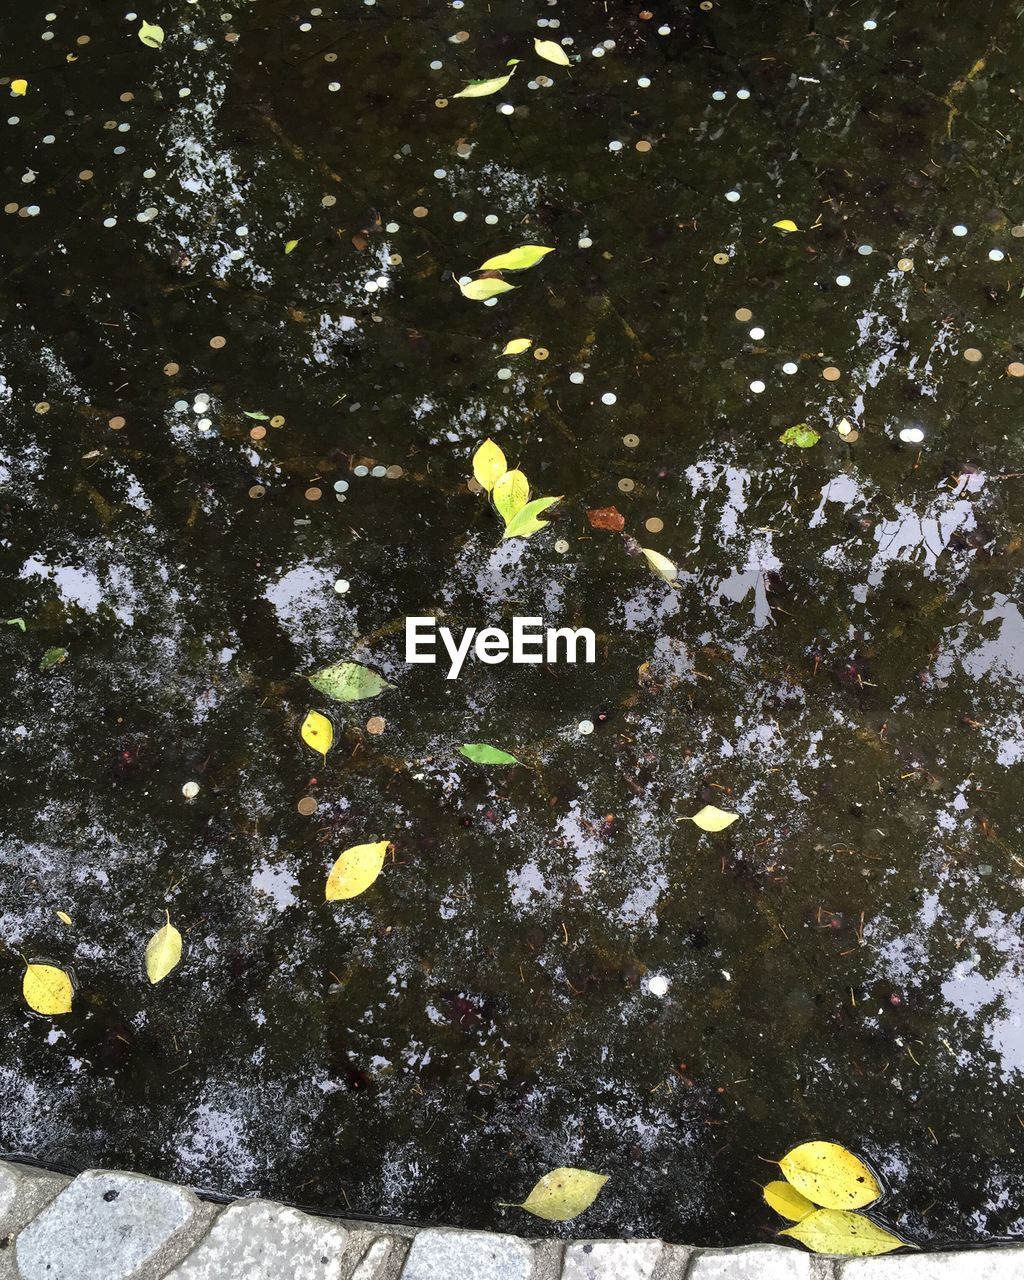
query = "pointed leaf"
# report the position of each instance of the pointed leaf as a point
(348, 682)
(356, 870)
(525, 522)
(163, 952)
(551, 52)
(517, 346)
(787, 1201)
(526, 255)
(661, 565)
(489, 465)
(257, 414)
(63, 915)
(803, 436)
(151, 35)
(290, 246)
(511, 493)
(482, 753)
(47, 989)
(711, 819)
(786, 224)
(481, 290)
(318, 733)
(563, 1194)
(52, 658)
(829, 1175)
(850, 1235)
(482, 88)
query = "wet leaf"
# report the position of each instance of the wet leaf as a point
(786, 224)
(511, 493)
(610, 518)
(661, 565)
(19, 88)
(260, 417)
(850, 1235)
(151, 35)
(16, 622)
(63, 915)
(163, 952)
(349, 682)
(829, 1175)
(356, 870)
(481, 290)
(526, 255)
(803, 436)
(318, 733)
(517, 346)
(787, 1201)
(482, 753)
(563, 1194)
(290, 246)
(489, 465)
(551, 52)
(47, 989)
(712, 819)
(52, 658)
(844, 426)
(482, 88)
(525, 522)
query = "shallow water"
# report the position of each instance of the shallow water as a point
(842, 664)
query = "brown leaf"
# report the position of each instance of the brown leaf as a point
(360, 241)
(607, 518)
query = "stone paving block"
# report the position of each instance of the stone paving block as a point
(379, 1260)
(612, 1260)
(106, 1226)
(258, 1240)
(24, 1192)
(970, 1264)
(439, 1254)
(755, 1262)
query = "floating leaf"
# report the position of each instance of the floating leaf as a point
(787, 1201)
(844, 426)
(51, 658)
(829, 1175)
(563, 1194)
(526, 255)
(481, 290)
(151, 35)
(517, 346)
(525, 521)
(482, 753)
(163, 952)
(348, 682)
(16, 622)
(19, 88)
(551, 52)
(850, 1235)
(356, 870)
(803, 436)
(661, 565)
(511, 493)
(489, 465)
(290, 246)
(318, 733)
(610, 518)
(63, 915)
(260, 417)
(47, 989)
(786, 224)
(711, 819)
(482, 88)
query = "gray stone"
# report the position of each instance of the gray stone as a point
(257, 1240)
(380, 1260)
(24, 1192)
(757, 1262)
(106, 1226)
(972, 1264)
(440, 1254)
(612, 1260)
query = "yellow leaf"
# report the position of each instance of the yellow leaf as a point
(151, 35)
(163, 952)
(318, 733)
(290, 246)
(63, 915)
(510, 494)
(563, 1194)
(786, 224)
(829, 1175)
(47, 989)
(481, 290)
(356, 870)
(481, 88)
(526, 255)
(489, 465)
(517, 346)
(19, 88)
(661, 565)
(787, 1201)
(525, 521)
(850, 1235)
(711, 819)
(551, 52)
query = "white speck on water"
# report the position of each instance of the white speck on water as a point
(843, 281)
(732, 196)
(334, 86)
(743, 94)
(459, 216)
(609, 397)
(719, 95)
(664, 31)
(561, 546)
(657, 985)
(864, 250)
(959, 229)
(490, 302)
(342, 586)
(190, 790)
(506, 109)
(391, 228)
(504, 374)
(757, 334)
(440, 173)
(996, 255)
(757, 387)
(576, 377)
(870, 24)
(614, 146)
(584, 242)
(790, 367)
(586, 726)
(911, 435)
(644, 82)
(491, 219)
(436, 65)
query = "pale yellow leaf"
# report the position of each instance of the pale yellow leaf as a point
(356, 870)
(489, 465)
(661, 565)
(290, 246)
(563, 1194)
(786, 224)
(510, 494)
(482, 88)
(47, 989)
(163, 952)
(518, 259)
(318, 733)
(481, 290)
(517, 346)
(850, 1235)
(711, 819)
(19, 88)
(551, 52)
(844, 426)
(787, 1201)
(63, 915)
(151, 35)
(829, 1175)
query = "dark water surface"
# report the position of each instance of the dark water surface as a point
(842, 664)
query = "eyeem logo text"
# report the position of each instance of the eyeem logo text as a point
(530, 641)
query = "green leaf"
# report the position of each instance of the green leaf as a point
(260, 417)
(482, 88)
(563, 1194)
(51, 658)
(348, 682)
(151, 35)
(290, 246)
(787, 1201)
(525, 522)
(481, 290)
(511, 493)
(803, 436)
(830, 1175)
(482, 753)
(551, 52)
(526, 255)
(16, 622)
(850, 1235)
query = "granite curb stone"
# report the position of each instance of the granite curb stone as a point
(260, 1240)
